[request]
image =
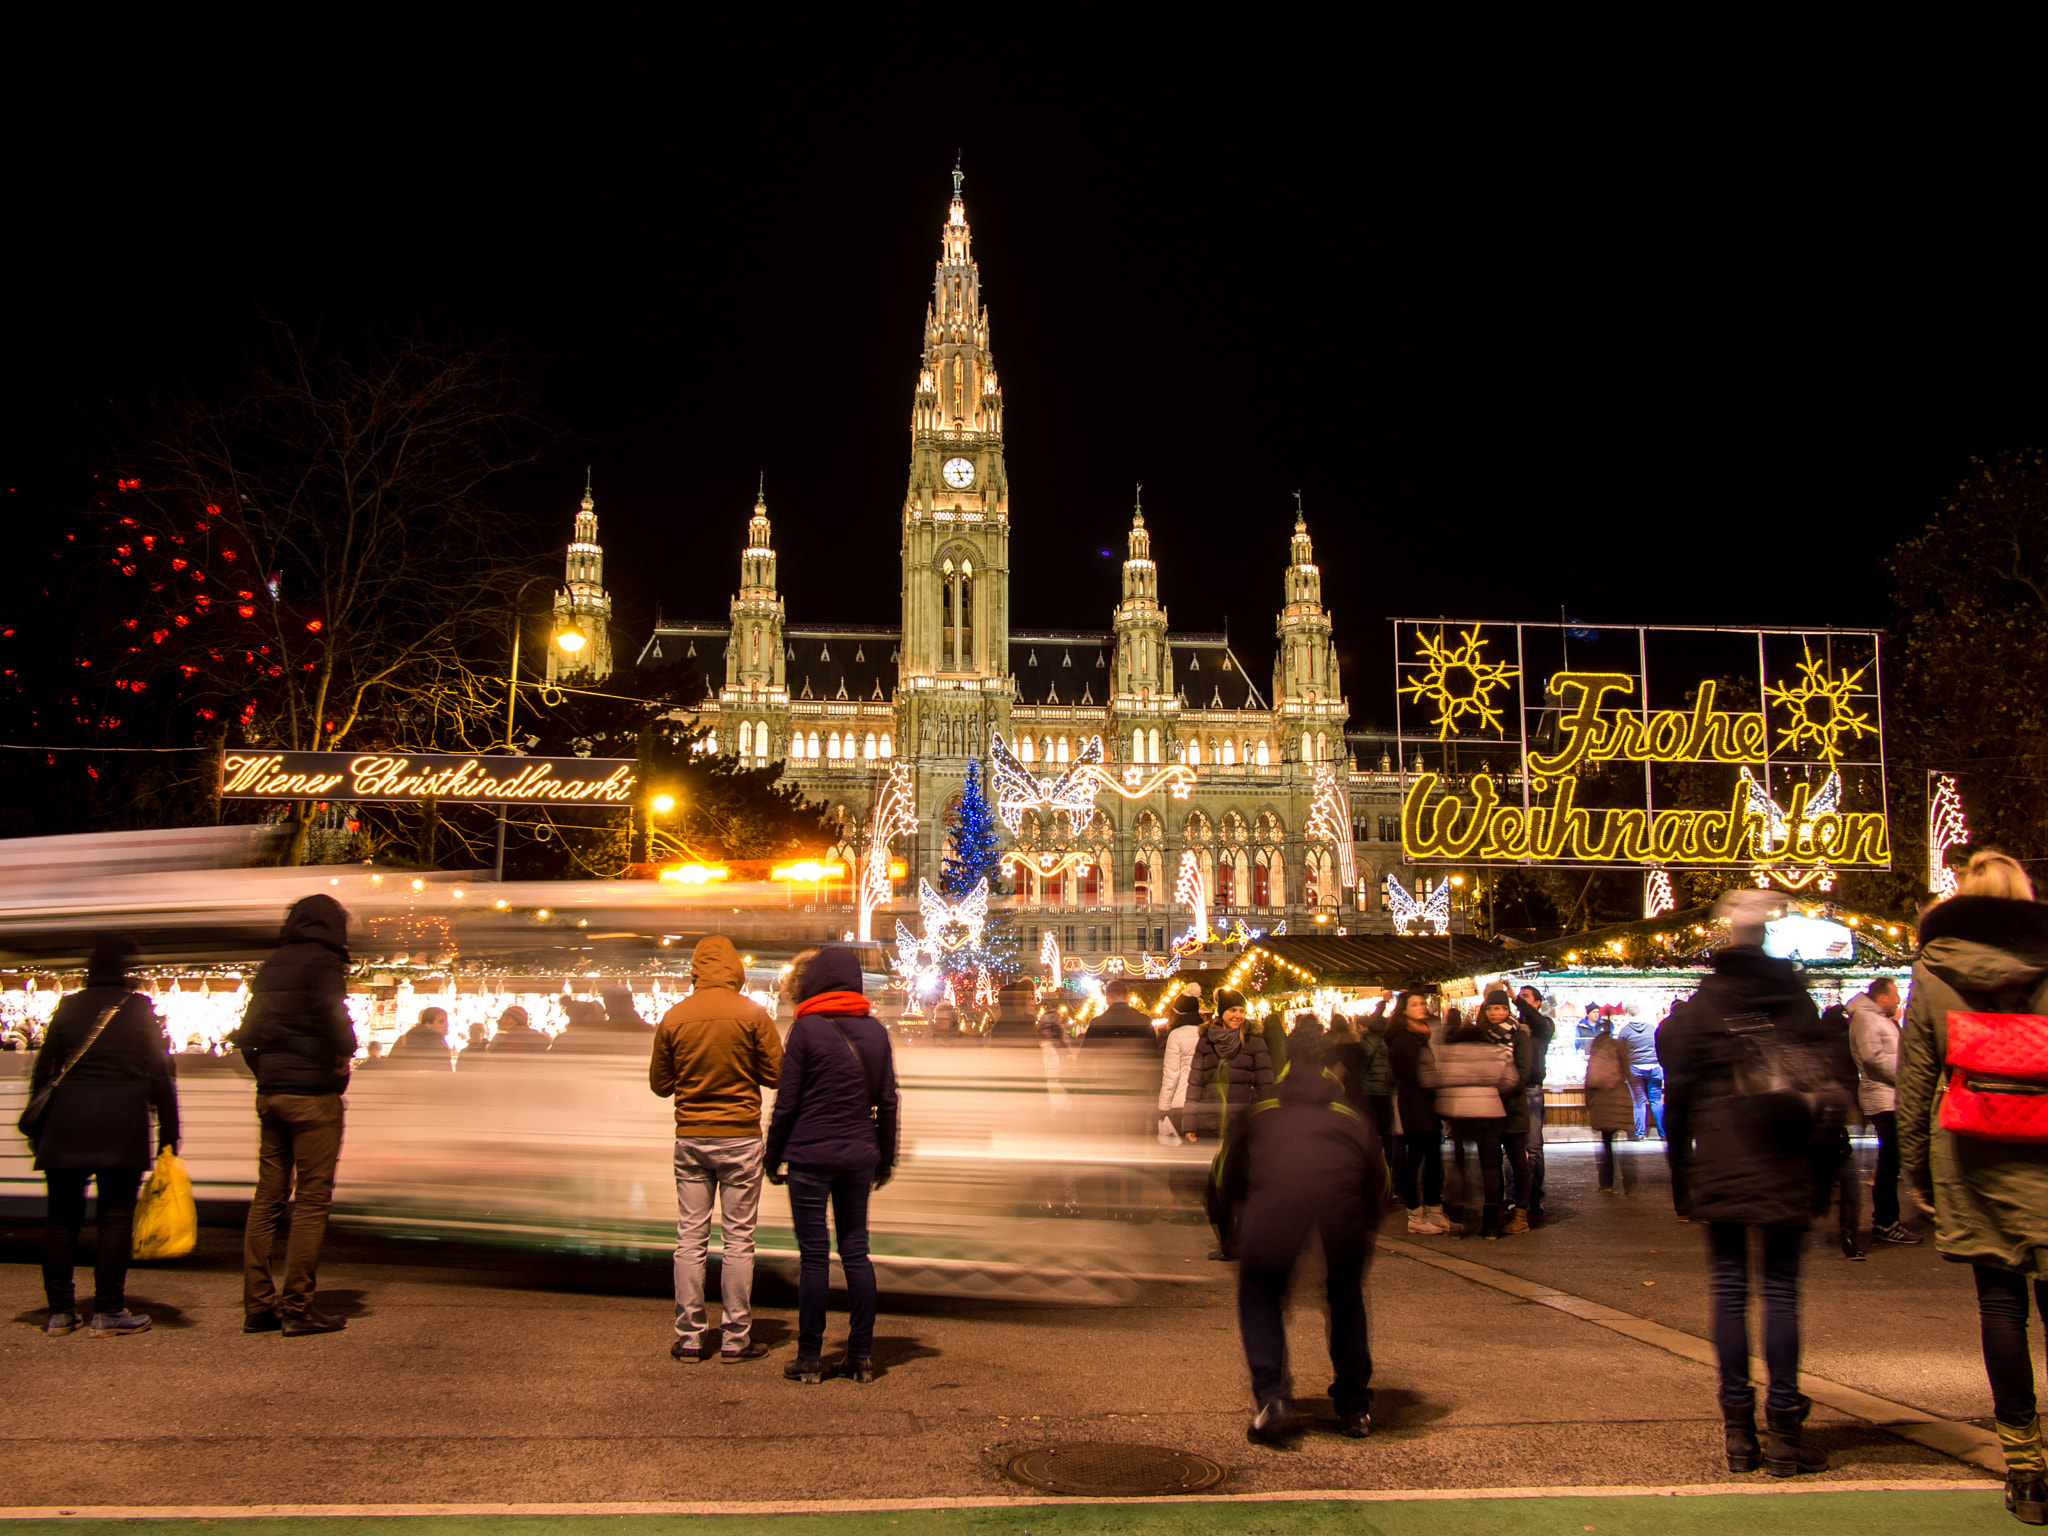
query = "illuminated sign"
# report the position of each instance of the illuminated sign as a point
(1642, 747)
(414, 776)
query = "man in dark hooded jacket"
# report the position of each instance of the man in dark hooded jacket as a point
(1755, 1087)
(1299, 1162)
(299, 1041)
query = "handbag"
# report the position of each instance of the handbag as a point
(37, 1114)
(1997, 1077)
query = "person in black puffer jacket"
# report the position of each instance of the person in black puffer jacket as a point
(98, 1132)
(1233, 1069)
(298, 1040)
(1742, 1143)
(835, 1125)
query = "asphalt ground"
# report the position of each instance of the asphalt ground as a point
(496, 1378)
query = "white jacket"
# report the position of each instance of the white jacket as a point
(1173, 1072)
(1874, 1041)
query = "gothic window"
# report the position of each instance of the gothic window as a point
(1137, 746)
(1390, 829)
(1319, 877)
(1062, 826)
(1229, 753)
(1152, 738)
(1148, 827)
(1194, 752)
(1233, 827)
(1205, 865)
(1259, 870)
(1029, 829)
(886, 748)
(1264, 760)
(832, 746)
(1025, 750)
(1091, 884)
(760, 740)
(746, 738)
(1322, 746)
(1141, 877)
(1196, 829)
(812, 752)
(869, 754)
(1061, 750)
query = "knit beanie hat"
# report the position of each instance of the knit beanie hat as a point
(1187, 1009)
(1498, 995)
(113, 960)
(1227, 1000)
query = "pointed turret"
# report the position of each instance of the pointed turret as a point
(1305, 670)
(754, 658)
(582, 605)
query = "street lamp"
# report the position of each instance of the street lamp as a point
(571, 641)
(664, 803)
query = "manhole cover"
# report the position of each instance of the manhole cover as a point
(1091, 1467)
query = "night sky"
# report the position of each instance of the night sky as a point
(1527, 328)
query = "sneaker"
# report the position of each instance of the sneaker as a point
(809, 1371)
(61, 1323)
(691, 1352)
(751, 1350)
(1436, 1214)
(265, 1320)
(112, 1325)
(1355, 1426)
(298, 1325)
(1517, 1221)
(1895, 1233)
(1274, 1424)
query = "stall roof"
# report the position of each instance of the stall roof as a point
(1380, 959)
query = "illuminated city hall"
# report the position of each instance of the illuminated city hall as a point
(841, 703)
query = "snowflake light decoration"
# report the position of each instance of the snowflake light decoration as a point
(1820, 709)
(1945, 830)
(1460, 682)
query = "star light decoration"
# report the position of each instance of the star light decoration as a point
(1820, 709)
(1945, 830)
(1779, 834)
(1657, 895)
(1434, 913)
(1330, 817)
(1188, 892)
(1459, 681)
(895, 816)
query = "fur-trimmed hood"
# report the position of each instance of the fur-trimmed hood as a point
(1985, 942)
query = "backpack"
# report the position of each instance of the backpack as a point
(1997, 1077)
(1790, 1084)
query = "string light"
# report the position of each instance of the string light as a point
(1668, 736)
(1443, 665)
(1330, 817)
(1657, 895)
(1435, 913)
(969, 914)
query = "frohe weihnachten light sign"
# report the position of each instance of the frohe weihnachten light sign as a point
(423, 776)
(1642, 746)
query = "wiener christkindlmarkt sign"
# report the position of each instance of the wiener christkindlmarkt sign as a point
(427, 776)
(1641, 747)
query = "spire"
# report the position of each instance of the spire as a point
(582, 603)
(957, 177)
(588, 503)
(1138, 513)
(1300, 519)
(759, 542)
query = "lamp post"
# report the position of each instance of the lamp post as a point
(570, 640)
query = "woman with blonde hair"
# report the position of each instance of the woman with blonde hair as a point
(1975, 1147)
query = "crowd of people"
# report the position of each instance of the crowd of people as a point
(1753, 1086)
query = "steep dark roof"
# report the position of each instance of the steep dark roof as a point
(818, 662)
(1374, 959)
(1073, 662)
(1209, 676)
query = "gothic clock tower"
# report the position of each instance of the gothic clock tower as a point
(953, 673)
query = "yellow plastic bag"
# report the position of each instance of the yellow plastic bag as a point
(166, 1219)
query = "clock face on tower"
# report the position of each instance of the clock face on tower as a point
(959, 473)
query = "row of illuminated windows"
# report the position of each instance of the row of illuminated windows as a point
(754, 742)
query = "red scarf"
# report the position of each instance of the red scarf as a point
(833, 1002)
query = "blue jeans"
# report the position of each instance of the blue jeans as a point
(1728, 1282)
(1646, 1087)
(847, 1191)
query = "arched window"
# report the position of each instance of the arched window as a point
(1194, 751)
(869, 754)
(746, 738)
(761, 740)
(1240, 878)
(1276, 880)
(1153, 737)
(1207, 866)
(1141, 880)
(1259, 882)
(812, 751)
(1322, 746)
(832, 746)
(1229, 753)
(1060, 751)
(1026, 750)
(885, 744)
(1091, 886)
(1137, 746)
(1259, 752)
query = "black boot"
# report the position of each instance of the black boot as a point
(860, 1368)
(1739, 1421)
(1489, 1224)
(1786, 1452)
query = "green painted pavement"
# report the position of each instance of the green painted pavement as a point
(1789, 1514)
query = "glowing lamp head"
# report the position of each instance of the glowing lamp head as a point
(571, 640)
(695, 874)
(663, 803)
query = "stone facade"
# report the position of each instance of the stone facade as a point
(839, 704)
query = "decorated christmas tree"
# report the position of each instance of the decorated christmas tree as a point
(975, 847)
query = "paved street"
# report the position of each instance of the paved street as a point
(486, 1376)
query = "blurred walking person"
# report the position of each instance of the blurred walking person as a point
(713, 1054)
(1232, 1071)
(1610, 1107)
(1973, 1129)
(1410, 1061)
(1542, 1030)
(1474, 1074)
(835, 1125)
(425, 1045)
(1753, 1093)
(298, 1039)
(1874, 1038)
(1118, 1056)
(109, 1062)
(1299, 1163)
